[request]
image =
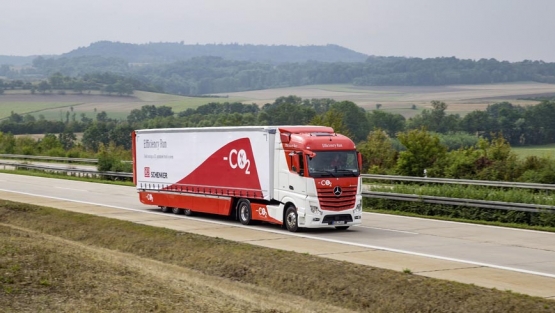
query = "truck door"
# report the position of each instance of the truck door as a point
(297, 180)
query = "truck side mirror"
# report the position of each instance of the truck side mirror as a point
(359, 159)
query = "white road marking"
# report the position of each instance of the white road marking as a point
(426, 255)
(465, 224)
(70, 188)
(388, 229)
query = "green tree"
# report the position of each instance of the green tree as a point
(436, 119)
(7, 143)
(497, 161)
(121, 135)
(94, 135)
(354, 118)
(44, 86)
(391, 123)
(378, 154)
(67, 139)
(334, 119)
(56, 80)
(423, 150)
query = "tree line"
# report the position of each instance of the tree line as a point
(105, 82)
(209, 74)
(474, 146)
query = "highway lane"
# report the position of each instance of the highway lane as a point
(519, 260)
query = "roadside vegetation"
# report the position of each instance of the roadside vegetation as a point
(432, 143)
(57, 260)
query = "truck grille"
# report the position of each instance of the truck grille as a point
(329, 201)
(328, 219)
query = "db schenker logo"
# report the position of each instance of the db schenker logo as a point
(149, 174)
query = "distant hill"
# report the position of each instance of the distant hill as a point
(171, 52)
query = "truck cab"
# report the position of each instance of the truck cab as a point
(318, 182)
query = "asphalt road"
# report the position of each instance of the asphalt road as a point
(504, 258)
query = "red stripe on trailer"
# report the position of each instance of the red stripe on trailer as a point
(228, 170)
(196, 203)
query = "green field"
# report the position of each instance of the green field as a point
(55, 106)
(540, 151)
(460, 99)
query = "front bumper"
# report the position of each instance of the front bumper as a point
(330, 219)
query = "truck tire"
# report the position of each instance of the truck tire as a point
(166, 209)
(244, 212)
(341, 227)
(291, 221)
(177, 211)
(187, 212)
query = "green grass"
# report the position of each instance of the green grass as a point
(119, 108)
(460, 220)
(539, 151)
(43, 267)
(30, 107)
(518, 195)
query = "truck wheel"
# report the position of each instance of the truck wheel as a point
(166, 209)
(188, 212)
(291, 219)
(244, 211)
(341, 227)
(177, 211)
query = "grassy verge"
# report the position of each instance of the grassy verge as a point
(530, 220)
(38, 274)
(517, 195)
(376, 209)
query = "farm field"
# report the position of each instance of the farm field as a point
(540, 151)
(461, 99)
(405, 100)
(54, 106)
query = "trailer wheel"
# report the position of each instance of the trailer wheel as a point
(187, 212)
(244, 212)
(166, 209)
(341, 227)
(177, 211)
(291, 221)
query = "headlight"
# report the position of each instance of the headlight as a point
(358, 208)
(314, 209)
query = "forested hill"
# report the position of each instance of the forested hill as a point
(170, 52)
(208, 69)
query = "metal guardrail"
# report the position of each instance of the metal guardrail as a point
(489, 183)
(371, 194)
(48, 158)
(66, 170)
(51, 158)
(512, 206)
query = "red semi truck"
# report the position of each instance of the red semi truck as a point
(294, 176)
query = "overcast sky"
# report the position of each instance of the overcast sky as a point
(511, 30)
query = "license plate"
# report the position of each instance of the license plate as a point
(338, 222)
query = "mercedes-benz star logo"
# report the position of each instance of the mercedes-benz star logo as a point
(337, 191)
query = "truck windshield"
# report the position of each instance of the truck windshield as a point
(333, 163)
